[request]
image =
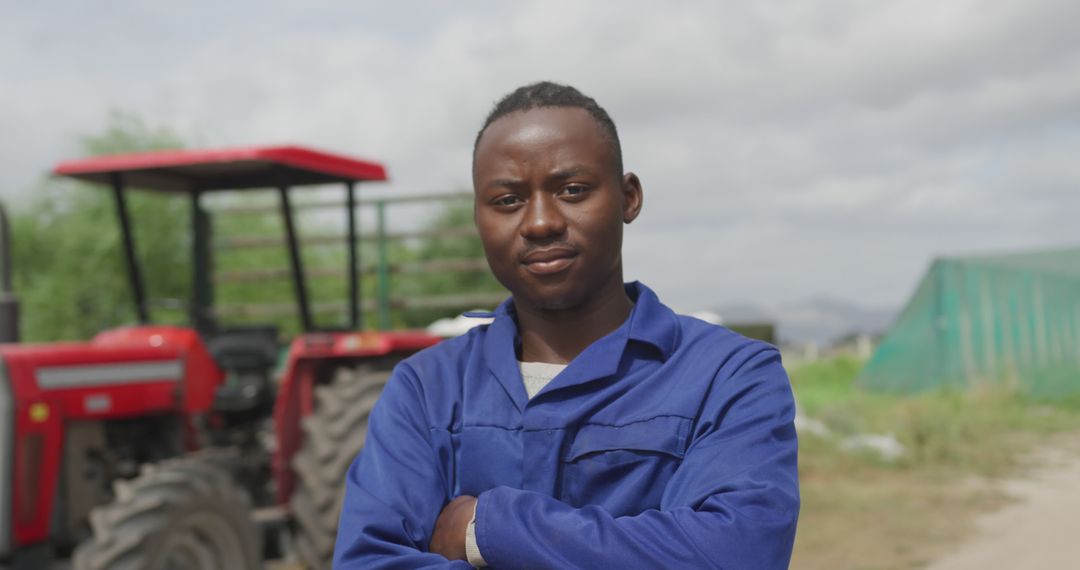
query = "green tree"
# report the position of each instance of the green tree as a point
(70, 276)
(454, 215)
(67, 254)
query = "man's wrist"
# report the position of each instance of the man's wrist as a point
(448, 537)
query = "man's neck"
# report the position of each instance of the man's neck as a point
(559, 336)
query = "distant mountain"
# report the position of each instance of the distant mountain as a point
(819, 320)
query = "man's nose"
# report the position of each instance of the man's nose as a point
(543, 219)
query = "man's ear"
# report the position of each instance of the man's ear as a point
(632, 197)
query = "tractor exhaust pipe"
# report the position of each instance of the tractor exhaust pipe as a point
(9, 305)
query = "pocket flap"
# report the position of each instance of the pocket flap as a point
(664, 434)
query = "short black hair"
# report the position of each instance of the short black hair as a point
(550, 94)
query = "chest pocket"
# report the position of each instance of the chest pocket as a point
(487, 457)
(623, 468)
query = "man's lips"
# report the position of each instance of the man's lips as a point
(549, 260)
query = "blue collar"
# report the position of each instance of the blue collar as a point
(650, 322)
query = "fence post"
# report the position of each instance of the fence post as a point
(383, 267)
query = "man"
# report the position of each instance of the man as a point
(588, 426)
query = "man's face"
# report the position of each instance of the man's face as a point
(550, 206)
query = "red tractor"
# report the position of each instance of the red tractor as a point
(173, 447)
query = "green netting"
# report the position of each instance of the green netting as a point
(1007, 319)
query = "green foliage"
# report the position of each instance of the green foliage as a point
(126, 132)
(277, 291)
(325, 263)
(454, 215)
(70, 276)
(825, 383)
(67, 253)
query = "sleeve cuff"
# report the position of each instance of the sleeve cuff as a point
(472, 550)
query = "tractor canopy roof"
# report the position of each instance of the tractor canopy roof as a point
(188, 171)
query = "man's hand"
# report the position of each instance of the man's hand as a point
(449, 536)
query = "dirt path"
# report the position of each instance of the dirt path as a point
(1039, 529)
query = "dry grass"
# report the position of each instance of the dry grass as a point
(860, 512)
(879, 518)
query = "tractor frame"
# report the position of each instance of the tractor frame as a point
(81, 422)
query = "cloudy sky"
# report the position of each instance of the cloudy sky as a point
(788, 149)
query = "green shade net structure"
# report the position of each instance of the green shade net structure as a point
(1006, 319)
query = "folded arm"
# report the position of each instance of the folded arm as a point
(732, 503)
(394, 489)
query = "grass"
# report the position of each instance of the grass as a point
(860, 511)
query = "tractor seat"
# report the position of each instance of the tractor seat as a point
(245, 348)
(248, 355)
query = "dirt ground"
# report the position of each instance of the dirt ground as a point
(1038, 528)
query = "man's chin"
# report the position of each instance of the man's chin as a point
(549, 302)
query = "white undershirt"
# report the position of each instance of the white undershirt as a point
(536, 375)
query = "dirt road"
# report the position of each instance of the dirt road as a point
(1039, 529)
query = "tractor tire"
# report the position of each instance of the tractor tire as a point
(178, 514)
(334, 434)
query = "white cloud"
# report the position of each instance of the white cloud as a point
(788, 149)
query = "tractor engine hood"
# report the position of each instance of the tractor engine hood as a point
(120, 373)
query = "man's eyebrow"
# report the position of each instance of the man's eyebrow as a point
(517, 183)
(569, 172)
(511, 183)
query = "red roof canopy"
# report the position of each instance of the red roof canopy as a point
(223, 169)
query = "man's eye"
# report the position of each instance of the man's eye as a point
(508, 200)
(574, 190)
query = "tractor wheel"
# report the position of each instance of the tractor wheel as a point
(178, 514)
(333, 436)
